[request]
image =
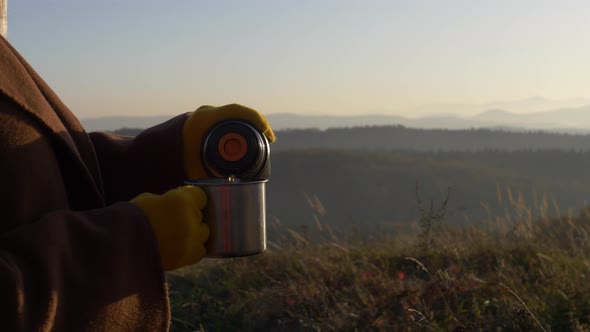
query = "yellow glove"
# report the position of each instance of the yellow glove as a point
(200, 121)
(177, 222)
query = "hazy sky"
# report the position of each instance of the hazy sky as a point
(331, 57)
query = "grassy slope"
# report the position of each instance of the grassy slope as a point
(515, 275)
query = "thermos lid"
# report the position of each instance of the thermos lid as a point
(235, 148)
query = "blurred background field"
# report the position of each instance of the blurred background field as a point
(399, 229)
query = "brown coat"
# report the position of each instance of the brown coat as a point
(74, 255)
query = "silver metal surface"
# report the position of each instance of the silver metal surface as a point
(236, 215)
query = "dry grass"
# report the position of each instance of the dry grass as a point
(514, 273)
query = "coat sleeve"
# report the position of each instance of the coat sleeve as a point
(73, 271)
(64, 270)
(150, 162)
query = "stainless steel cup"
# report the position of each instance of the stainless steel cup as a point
(236, 215)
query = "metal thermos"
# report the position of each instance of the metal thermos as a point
(237, 157)
(235, 148)
(236, 216)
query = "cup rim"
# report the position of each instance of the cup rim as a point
(224, 182)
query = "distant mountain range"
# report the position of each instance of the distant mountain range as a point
(527, 105)
(565, 120)
(571, 120)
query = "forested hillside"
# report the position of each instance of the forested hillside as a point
(383, 187)
(399, 137)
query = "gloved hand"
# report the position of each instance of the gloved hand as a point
(200, 121)
(177, 222)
